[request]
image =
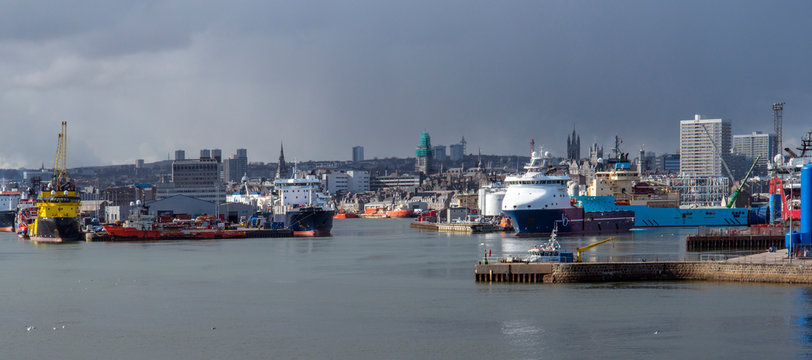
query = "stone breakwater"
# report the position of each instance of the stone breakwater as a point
(795, 273)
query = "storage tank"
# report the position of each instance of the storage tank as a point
(490, 200)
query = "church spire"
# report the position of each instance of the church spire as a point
(282, 167)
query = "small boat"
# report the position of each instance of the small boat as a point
(345, 215)
(374, 213)
(549, 252)
(400, 213)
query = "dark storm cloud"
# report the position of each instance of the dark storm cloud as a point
(325, 76)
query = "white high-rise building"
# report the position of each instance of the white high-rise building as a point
(703, 143)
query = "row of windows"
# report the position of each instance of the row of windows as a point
(537, 182)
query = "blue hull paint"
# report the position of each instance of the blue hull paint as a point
(570, 221)
(669, 216)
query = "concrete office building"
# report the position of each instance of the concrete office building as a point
(439, 153)
(235, 167)
(357, 154)
(755, 144)
(703, 143)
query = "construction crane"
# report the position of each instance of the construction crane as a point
(61, 160)
(721, 155)
(585, 248)
(733, 197)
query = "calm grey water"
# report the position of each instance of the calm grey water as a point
(375, 290)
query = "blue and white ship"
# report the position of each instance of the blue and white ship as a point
(537, 201)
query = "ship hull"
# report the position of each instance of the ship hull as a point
(127, 233)
(645, 217)
(56, 230)
(7, 220)
(540, 222)
(307, 221)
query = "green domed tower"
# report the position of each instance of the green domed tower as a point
(425, 155)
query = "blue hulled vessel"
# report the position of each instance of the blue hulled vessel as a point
(537, 202)
(654, 204)
(645, 216)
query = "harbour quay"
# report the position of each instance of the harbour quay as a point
(755, 237)
(767, 267)
(244, 233)
(462, 227)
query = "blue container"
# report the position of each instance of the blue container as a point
(775, 207)
(806, 203)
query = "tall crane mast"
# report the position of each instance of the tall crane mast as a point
(778, 119)
(61, 159)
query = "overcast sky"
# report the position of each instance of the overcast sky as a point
(139, 79)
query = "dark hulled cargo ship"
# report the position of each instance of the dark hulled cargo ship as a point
(307, 221)
(302, 207)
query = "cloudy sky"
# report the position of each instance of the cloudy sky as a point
(139, 79)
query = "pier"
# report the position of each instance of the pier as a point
(249, 233)
(770, 267)
(464, 227)
(755, 237)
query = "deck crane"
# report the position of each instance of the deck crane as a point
(585, 248)
(733, 197)
(61, 160)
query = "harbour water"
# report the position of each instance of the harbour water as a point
(376, 289)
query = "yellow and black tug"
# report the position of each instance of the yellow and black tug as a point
(58, 214)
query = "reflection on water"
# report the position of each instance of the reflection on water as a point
(523, 333)
(803, 318)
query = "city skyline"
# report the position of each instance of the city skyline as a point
(141, 80)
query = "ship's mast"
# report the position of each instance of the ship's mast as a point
(61, 159)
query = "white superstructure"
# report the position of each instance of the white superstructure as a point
(9, 200)
(535, 190)
(298, 192)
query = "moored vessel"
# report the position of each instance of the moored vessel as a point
(58, 204)
(345, 215)
(141, 225)
(302, 207)
(400, 213)
(537, 202)
(8, 209)
(620, 188)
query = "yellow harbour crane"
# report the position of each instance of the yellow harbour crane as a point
(585, 248)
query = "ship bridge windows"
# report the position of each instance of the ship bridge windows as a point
(537, 182)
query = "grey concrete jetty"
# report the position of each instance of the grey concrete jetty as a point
(770, 267)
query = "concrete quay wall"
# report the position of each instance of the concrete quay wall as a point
(645, 271)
